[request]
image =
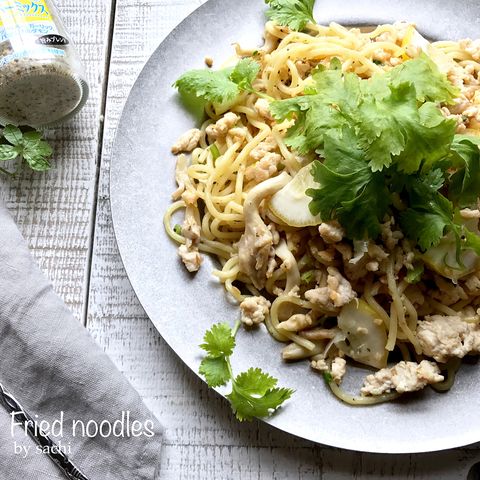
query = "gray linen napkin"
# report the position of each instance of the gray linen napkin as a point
(55, 370)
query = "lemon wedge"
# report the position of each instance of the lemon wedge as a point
(290, 204)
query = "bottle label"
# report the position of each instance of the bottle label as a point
(30, 29)
(20, 17)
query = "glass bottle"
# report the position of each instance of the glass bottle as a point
(42, 82)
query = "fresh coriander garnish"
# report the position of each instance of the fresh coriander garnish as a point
(381, 137)
(219, 86)
(295, 14)
(27, 145)
(254, 392)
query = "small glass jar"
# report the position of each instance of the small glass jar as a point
(42, 82)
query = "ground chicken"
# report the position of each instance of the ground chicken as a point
(264, 168)
(320, 365)
(473, 48)
(191, 232)
(296, 322)
(191, 229)
(303, 68)
(262, 106)
(254, 310)
(403, 377)
(472, 284)
(345, 251)
(268, 145)
(190, 258)
(187, 142)
(255, 246)
(390, 237)
(222, 126)
(448, 293)
(238, 134)
(331, 232)
(271, 41)
(320, 333)
(372, 266)
(339, 368)
(469, 213)
(336, 294)
(442, 337)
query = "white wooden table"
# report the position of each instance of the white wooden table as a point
(65, 216)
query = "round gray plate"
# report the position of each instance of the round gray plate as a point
(182, 306)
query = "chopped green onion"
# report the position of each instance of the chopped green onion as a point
(215, 151)
(177, 229)
(308, 277)
(415, 275)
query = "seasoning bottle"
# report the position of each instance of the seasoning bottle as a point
(42, 82)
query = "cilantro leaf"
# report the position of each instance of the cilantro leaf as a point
(427, 228)
(391, 124)
(428, 142)
(213, 86)
(215, 370)
(429, 213)
(430, 84)
(255, 382)
(244, 73)
(219, 341)
(294, 14)
(348, 189)
(327, 110)
(464, 188)
(382, 133)
(254, 392)
(219, 86)
(248, 407)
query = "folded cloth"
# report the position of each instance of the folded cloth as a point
(54, 369)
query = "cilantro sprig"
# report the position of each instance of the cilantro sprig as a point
(26, 145)
(254, 393)
(295, 14)
(219, 86)
(391, 118)
(382, 137)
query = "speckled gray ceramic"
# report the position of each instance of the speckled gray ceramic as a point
(182, 306)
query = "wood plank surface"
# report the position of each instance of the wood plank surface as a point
(202, 441)
(54, 209)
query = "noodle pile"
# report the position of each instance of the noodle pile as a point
(239, 160)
